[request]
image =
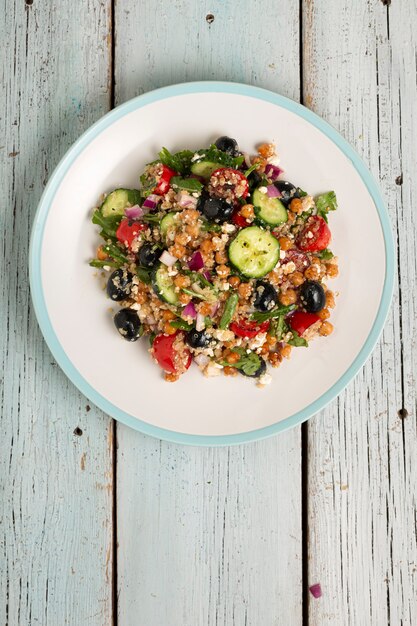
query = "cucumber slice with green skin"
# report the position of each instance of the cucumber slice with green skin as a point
(254, 252)
(205, 168)
(116, 202)
(163, 285)
(167, 222)
(269, 211)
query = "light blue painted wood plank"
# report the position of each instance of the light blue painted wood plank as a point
(208, 536)
(56, 486)
(360, 67)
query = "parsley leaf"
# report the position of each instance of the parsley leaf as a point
(297, 341)
(269, 315)
(189, 184)
(215, 155)
(249, 363)
(144, 275)
(251, 169)
(108, 224)
(179, 162)
(301, 193)
(278, 327)
(326, 202)
(325, 254)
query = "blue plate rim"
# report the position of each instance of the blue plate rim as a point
(36, 240)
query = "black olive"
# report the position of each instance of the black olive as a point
(198, 338)
(261, 369)
(254, 180)
(214, 209)
(148, 255)
(227, 144)
(119, 285)
(312, 296)
(288, 191)
(265, 296)
(128, 324)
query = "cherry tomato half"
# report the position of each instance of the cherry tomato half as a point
(229, 184)
(128, 230)
(167, 357)
(300, 321)
(239, 220)
(247, 329)
(315, 236)
(163, 184)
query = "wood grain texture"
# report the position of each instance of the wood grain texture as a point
(208, 537)
(56, 486)
(360, 74)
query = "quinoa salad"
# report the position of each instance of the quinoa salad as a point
(217, 259)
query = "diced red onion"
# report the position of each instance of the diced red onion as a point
(207, 275)
(201, 359)
(189, 311)
(151, 201)
(167, 259)
(316, 590)
(196, 262)
(134, 211)
(185, 201)
(200, 325)
(273, 171)
(273, 192)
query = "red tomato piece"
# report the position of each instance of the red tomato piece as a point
(300, 260)
(128, 230)
(315, 236)
(228, 184)
(239, 220)
(300, 321)
(247, 329)
(167, 357)
(164, 181)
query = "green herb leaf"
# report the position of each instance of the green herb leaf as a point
(297, 341)
(181, 324)
(211, 227)
(278, 327)
(101, 264)
(249, 363)
(179, 162)
(115, 253)
(326, 202)
(301, 193)
(229, 311)
(108, 225)
(325, 255)
(251, 169)
(143, 274)
(215, 155)
(269, 315)
(208, 322)
(197, 277)
(194, 294)
(152, 338)
(148, 184)
(151, 218)
(189, 184)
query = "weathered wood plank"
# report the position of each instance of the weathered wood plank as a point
(360, 68)
(208, 536)
(56, 486)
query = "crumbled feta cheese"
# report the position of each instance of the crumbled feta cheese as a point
(257, 341)
(225, 238)
(307, 203)
(274, 160)
(289, 268)
(225, 286)
(135, 306)
(106, 268)
(282, 254)
(264, 380)
(195, 194)
(213, 369)
(197, 156)
(172, 271)
(223, 335)
(228, 228)
(263, 189)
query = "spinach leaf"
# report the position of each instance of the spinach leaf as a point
(325, 254)
(179, 162)
(143, 274)
(297, 341)
(108, 224)
(189, 184)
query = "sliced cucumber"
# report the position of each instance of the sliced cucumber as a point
(163, 285)
(116, 202)
(167, 222)
(254, 252)
(204, 168)
(269, 211)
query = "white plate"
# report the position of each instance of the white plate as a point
(73, 312)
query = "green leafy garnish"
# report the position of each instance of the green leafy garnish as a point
(181, 324)
(108, 224)
(278, 327)
(214, 155)
(194, 294)
(269, 315)
(249, 363)
(189, 184)
(326, 202)
(297, 341)
(179, 162)
(208, 322)
(197, 277)
(211, 227)
(115, 253)
(152, 338)
(143, 274)
(301, 193)
(229, 311)
(325, 255)
(251, 169)
(101, 264)
(151, 219)
(148, 184)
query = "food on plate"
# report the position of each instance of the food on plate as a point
(217, 259)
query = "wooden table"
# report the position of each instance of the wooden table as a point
(103, 525)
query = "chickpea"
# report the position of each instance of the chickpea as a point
(234, 281)
(285, 243)
(275, 359)
(266, 150)
(324, 314)
(288, 297)
(141, 297)
(247, 211)
(296, 278)
(261, 164)
(168, 329)
(286, 351)
(101, 254)
(232, 358)
(168, 315)
(182, 239)
(189, 215)
(270, 340)
(332, 270)
(221, 257)
(182, 281)
(171, 377)
(204, 308)
(206, 246)
(177, 250)
(291, 217)
(244, 290)
(326, 329)
(230, 371)
(184, 298)
(223, 271)
(265, 349)
(193, 230)
(296, 205)
(312, 272)
(330, 303)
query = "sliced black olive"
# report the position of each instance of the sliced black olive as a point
(227, 144)
(128, 324)
(148, 255)
(312, 296)
(198, 338)
(265, 296)
(259, 372)
(119, 285)
(214, 209)
(288, 191)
